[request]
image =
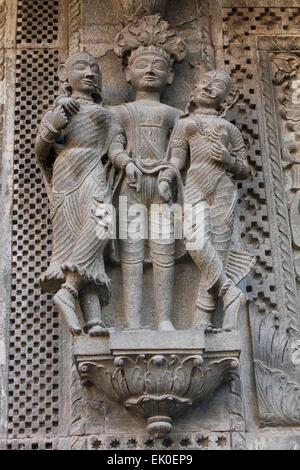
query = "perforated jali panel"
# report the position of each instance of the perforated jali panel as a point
(37, 21)
(34, 325)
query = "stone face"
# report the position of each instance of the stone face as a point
(139, 359)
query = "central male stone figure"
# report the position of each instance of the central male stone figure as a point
(148, 47)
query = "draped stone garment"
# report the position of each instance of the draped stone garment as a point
(148, 126)
(210, 197)
(78, 183)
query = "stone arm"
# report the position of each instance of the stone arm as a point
(49, 136)
(121, 160)
(117, 153)
(241, 168)
(178, 153)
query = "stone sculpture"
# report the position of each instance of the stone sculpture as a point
(74, 134)
(217, 154)
(148, 47)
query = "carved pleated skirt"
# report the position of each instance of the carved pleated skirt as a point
(78, 242)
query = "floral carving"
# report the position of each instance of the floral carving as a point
(284, 66)
(157, 387)
(128, 10)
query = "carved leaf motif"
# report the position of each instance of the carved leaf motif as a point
(137, 380)
(119, 384)
(121, 377)
(183, 376)
(159, 379)
(132, 9)
(214, 375)
(284, 65)
(150, 31)
(279, 395)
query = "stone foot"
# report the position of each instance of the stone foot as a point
(233, 299)
(65, 303)
(212, 329)
(97, 329)
(202, 319)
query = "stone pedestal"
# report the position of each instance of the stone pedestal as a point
(157, 375)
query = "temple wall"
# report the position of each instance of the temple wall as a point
(42, 402)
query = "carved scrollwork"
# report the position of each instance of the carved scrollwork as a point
(284, 66)
(278, 411)
(75, 8)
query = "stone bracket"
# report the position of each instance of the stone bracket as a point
(157, 375)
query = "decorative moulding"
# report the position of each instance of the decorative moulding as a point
(152, 380)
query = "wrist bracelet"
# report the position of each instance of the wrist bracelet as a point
(51, 128)
(121, 159)
(46, 138)
(125, 163)
(164, 178)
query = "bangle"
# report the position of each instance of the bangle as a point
(121, 159)
(167, 175)
(51, 128)
(45, 139)
(165, 179)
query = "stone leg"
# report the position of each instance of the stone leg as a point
(132, 259)
(91, 310)
(65, 300)
(163, 259)
(205, 307)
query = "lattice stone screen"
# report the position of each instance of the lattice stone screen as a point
(45, 405)
(34, 325)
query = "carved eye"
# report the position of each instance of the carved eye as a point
(79, 66)
(204, 82)
(142, 64)
(159, 65)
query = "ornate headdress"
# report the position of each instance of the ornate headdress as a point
(149, 34)
(129, 10)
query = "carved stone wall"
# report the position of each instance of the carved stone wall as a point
(250, 41)
(43, 404)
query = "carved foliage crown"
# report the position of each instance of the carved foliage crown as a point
(128, 10)
(150, 31)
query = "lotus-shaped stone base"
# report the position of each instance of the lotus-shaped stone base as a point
(156, 384)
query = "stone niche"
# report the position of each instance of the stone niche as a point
(141, 387)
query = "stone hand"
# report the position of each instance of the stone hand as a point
(70, 105)
(221, 155)
(134, 176)
(58, 118)
(103, 216)
(165, 191)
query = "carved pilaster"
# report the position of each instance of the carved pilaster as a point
(75, 12)
(3, 13)
(275, 373)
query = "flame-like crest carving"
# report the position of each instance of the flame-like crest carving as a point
(150, 31)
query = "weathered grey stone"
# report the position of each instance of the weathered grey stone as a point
(149, 340)
(159, 379)
(43, 404)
